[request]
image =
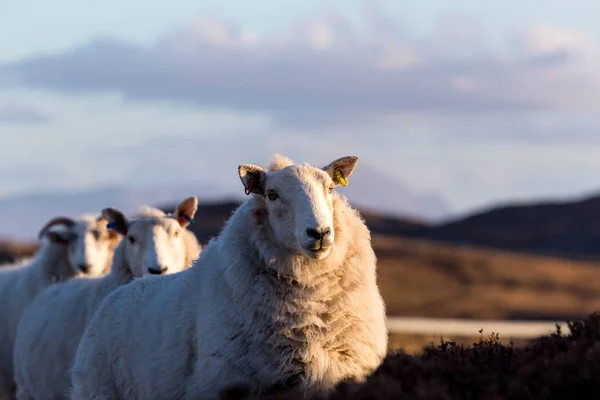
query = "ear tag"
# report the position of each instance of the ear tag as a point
(343, 181)
(111, 225)
(188, 219)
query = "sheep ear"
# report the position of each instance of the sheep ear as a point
(116, 221)
(341, 169)
(113, 237)
(186, 210)
(253, 177)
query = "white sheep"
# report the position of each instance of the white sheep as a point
(82, 247)
(50, 329)
(286, 295)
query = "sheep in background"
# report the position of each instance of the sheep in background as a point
(286, 295)
(50, 329)
(82, 247)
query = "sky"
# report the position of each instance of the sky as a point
(477, 102)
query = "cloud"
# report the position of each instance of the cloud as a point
(16, 113)
(548, 42)
(525, 158)
(325, 72)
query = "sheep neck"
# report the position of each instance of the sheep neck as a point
(54, 263)
(298, 304)
(120, 271)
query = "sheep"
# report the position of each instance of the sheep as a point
(82, 247)
(285, 295)
(50, 329)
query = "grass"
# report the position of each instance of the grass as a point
(429, 279)
(415, 344)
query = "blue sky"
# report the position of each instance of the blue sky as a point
(475, 101)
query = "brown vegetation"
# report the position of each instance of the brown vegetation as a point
(552, 367)
(11, 252)
(429, 279)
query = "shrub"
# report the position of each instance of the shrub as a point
(551, 367)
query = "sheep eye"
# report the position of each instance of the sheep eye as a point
(176, 234)
(330, 189)
(131, 239)
(96, 234)
(272, 195)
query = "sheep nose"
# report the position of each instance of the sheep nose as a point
(158, 270)
(84, 267)
(318, 234)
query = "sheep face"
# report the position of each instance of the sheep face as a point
(90, 245)
(154, 245)
(298, 201)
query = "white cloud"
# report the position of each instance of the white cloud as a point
(15, 112)
(545, 40)
(322, 69)
(446, 111)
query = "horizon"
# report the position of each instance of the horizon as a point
(472, 105)
(24, 225)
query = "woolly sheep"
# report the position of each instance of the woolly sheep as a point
(82, 247)
(50, 329)
(286, 295)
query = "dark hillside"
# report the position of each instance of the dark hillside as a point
(565, 229)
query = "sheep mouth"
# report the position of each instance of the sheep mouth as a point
(318, 245)
(316, 251)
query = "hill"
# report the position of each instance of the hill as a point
(568, 229)
(565, 229)
(434, 279)
(421, 277)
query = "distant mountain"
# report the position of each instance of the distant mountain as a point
(209, 220)
(371, 188)
(561, 228)
(22, 216)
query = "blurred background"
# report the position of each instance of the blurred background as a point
(475, 123)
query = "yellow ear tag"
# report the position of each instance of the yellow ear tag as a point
(341, 178)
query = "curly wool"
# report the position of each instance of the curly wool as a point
(63, 311)
(247, 312)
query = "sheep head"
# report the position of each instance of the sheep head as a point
(298, 200)
(154, 244)
(90, 245)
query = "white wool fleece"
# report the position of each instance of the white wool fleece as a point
(250, 311)
(49, 332)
